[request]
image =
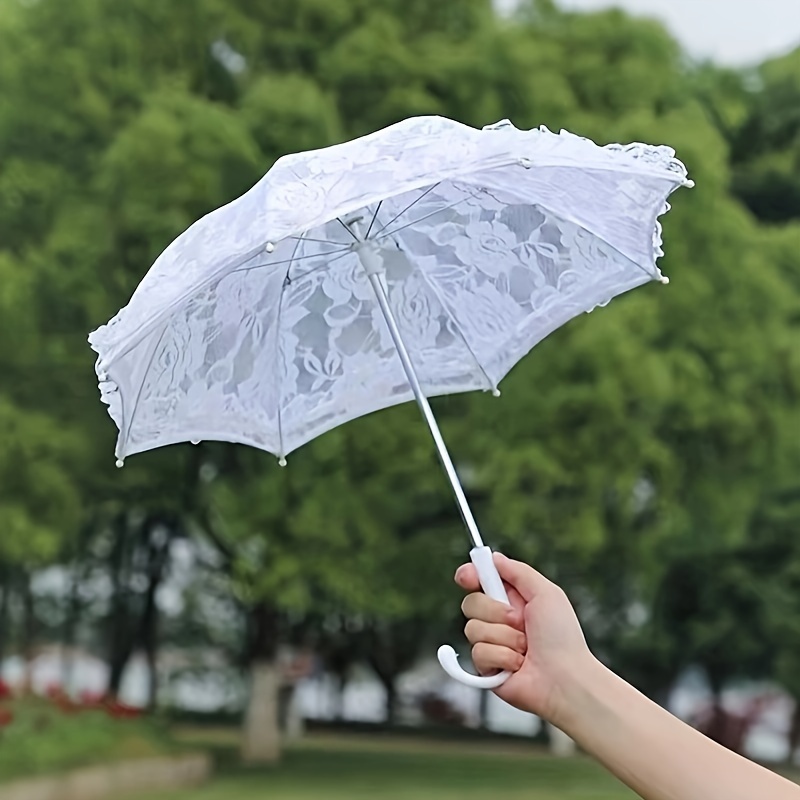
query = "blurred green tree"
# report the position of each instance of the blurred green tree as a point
(630, 443)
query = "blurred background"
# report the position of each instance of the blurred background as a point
(647, 457)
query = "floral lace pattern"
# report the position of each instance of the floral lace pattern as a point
(489, 241)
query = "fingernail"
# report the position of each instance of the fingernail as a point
(459, 572)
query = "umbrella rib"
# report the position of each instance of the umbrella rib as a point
(355, 238)
(321, 241)
(279, 351)
(407, 208)
(129, 426)
(422, 219)
(431, 283)
(291, 261)
(582, 226)
(372, 221)
(321, 267)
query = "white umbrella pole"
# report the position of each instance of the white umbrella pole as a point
(376, 279)
(480, 555)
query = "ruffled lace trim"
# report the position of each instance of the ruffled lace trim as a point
(658, 157)
(661, 158)
(109, 392)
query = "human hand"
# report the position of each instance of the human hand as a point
(538, 639)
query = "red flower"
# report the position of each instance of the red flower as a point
(5, 690)
(54, 691)
(89, 699)
(118, 710)
(6, 717)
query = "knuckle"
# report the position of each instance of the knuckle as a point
(472, 629)
(508, 659)
(479, 653)
(516, 619)
(559, 594)
(470, 605)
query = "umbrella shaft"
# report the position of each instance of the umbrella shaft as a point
(375, 279)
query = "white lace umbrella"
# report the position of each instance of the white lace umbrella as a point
(282, 315)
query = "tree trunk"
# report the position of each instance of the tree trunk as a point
(390, 651)
(483, 711)
(379, 662)
(158, 558)
(28, 633)
(390, 685)
(116, 669)
(293, 723)
(120, 629)
(341, 685)
(69, 631)
(150, 655)
(4, 604)
(261, 737)
(719, 726)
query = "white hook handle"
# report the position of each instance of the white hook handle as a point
(492, 585)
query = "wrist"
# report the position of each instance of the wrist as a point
(575, 692)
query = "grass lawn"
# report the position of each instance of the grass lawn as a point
(322, 769)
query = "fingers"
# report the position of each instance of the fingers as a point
(522, 577)
(477, 631)
(480, 606)
(467, 578)
(489, 658)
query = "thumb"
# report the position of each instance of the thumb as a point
(524, 578)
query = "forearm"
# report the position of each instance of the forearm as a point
(652, 751)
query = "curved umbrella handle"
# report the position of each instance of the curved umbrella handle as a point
(492, 585)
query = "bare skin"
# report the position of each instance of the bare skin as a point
(557, 678)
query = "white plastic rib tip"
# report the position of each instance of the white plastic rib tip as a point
(282, 461)
(663, 279)
(269, 247)
(195, 441)
(526, 163)
(495, 392)
(120, 463)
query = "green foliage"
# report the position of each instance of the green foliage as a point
(650, 435)
(38, 500)
(170, 165)
(766, 144)
(41, 739)
(361, 520)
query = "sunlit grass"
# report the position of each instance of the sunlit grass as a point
(408, 770)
